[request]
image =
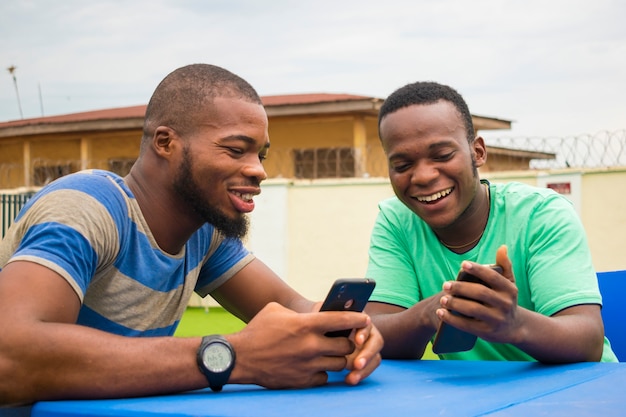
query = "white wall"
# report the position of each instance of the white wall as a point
(312, 232)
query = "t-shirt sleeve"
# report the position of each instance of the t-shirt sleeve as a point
(226, 260)
(389, 261)
(560, 268)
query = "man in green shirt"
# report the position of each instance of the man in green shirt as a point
(545, 305)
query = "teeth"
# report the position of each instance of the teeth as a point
(434, 197)
(246, 197)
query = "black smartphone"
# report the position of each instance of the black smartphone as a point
(348, 294)
(450, 339)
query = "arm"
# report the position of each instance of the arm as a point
(256, 294)
(571, 335)
(246, 293)
(49, 357)
(406, 331)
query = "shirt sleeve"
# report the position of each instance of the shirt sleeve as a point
(560, 268)
(389, 263)
(229, 257)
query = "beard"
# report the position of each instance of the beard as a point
(190, 192)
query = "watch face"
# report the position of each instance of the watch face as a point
(217, 357)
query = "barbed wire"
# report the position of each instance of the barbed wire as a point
(600, 150)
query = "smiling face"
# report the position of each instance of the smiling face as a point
(220, 167)
(432, 167)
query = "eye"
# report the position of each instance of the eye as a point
(236, 151)
(399, 168)
(443, 156)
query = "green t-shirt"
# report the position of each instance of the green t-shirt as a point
(546, 244)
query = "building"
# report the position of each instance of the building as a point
(313, 136)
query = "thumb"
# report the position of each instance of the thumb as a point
(502, 259)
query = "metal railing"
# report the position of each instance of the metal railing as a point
(10, 206)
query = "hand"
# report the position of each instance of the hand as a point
(368, 342)
(491, 313)
(280, 348)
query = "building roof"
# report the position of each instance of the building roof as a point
(276, 106)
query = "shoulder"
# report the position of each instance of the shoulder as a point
(395, 206)
(95, 182)
(526, 195)
(104, 186)
(83, 195)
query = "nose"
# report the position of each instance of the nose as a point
(424, 173)
(254, 169)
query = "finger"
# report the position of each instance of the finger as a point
(357, 375)
(329, 321)
(361, 357)
(502, 259)
(331, 363)
(485, 274)
(361, 335)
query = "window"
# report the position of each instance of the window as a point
(44, 174)
(324, 163)
(121, 166)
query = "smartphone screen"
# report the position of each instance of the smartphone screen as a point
(348, 294)
(448, 338)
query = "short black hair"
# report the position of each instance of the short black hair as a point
(427, 92)
(183, 95)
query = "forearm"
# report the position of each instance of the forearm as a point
(61, 361)
(406, 333)
(560, 339)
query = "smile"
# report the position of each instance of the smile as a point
(245, 197)
(434, 197)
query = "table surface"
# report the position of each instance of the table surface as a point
(424, 388)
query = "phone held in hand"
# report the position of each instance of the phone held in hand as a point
(348, 294)
(450, 339)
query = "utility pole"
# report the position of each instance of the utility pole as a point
(11, 70)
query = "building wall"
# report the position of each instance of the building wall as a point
(93, 149)
(11, 164)
(123, 144)
(308, 132)
(312, 232)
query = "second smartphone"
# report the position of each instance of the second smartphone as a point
(450, 339)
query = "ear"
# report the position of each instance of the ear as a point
(479, 151)
(164, 140)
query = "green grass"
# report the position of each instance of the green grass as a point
(200, 322)
(197, 321)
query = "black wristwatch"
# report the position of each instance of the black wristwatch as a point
(216, 359)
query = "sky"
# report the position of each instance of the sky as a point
(552, 67)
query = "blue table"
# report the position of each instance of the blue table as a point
(397, 388)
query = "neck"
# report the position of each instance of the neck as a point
(465, 236)
(168, 226)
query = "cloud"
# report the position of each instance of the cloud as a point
(552, 67)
